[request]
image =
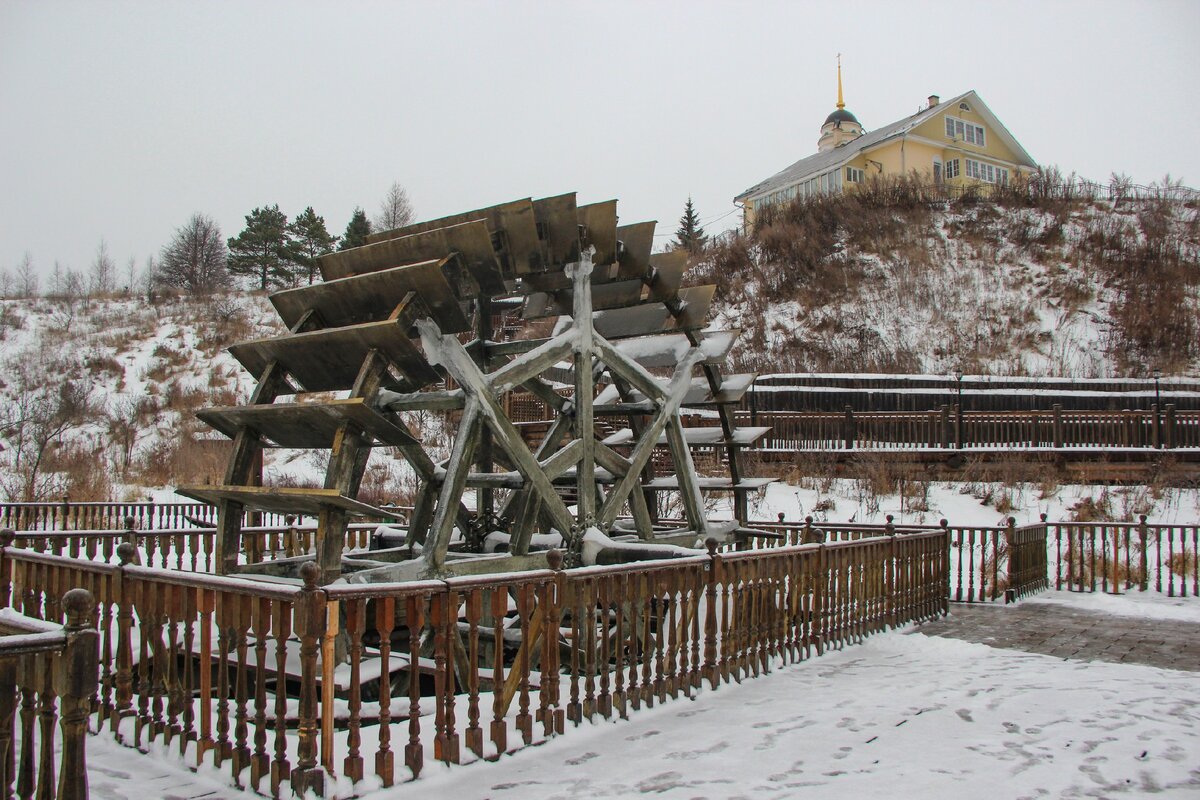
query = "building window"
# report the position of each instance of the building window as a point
(854, 175)
(988, 173)
(951, 169)
(964, 132)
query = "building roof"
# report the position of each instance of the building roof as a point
(822, 162)
(841, 115)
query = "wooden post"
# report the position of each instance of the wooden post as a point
(1144, 536)
(848, 433)
(1169, 427)
(76, 679)
(710, 615)
(7, 537)
(310, 627)
(1058, 425)
(1014, 562)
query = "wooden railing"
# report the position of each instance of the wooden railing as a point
(458, 669)
(1116, 556)
(189, 549)
(67, 515)
(987, 563)
(42, 665)
(947, 428)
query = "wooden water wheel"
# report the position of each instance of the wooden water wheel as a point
(383, 337)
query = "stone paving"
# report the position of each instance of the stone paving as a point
(1069, 633)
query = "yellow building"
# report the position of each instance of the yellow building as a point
(957, 142)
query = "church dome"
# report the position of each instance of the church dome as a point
(842, 115)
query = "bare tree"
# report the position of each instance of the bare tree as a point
(195, 260)
(395, 211)
(131, 273)
(37, 418)
(103, 278)
(27, 278)
(6, 283)
(125, 422)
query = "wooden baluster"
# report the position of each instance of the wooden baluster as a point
(241, 612)
(47, 719)
(188, 611)
(141, 604)
(76, 681)
(620, 603)
(499, 728)
(310, 627)
(588, 642)
(385, 622)
(171, 610)
(27, 769)
(575, 706)
(281, 625)
(524, 720)
(260, 762)
(413, 750)
(8, 710)
(474, 610)
(225, 614)
(604, 600)
(356, 622)
(551, 715)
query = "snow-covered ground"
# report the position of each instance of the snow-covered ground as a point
(903, 715)
(970, 503)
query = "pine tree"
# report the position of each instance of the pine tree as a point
(357, 231)
(690, 236)
(263, 249)
(312, 241)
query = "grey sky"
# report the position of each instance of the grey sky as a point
(121, 119)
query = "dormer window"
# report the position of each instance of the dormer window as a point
(964, 132)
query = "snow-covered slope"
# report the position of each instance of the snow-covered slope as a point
(1078, 289)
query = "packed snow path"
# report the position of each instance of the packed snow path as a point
(905, 714)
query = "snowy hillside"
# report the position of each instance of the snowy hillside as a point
(896, 281)
(119, 381)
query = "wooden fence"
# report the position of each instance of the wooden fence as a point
(987, 563)
(458, 669)
(188, 549)
(948, 428)
(1116, 556)
(43, 665)
(67, 515)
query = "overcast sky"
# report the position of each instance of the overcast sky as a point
(118, 120)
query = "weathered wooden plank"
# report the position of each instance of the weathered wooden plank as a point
(371, 297)
(637, 241)
(558, 226)
(471, 241)
(283, 500)
(668, 273)
(653, 317)
(600, 222)
(658, 423)
(733, 388)
(711, 436)
(514, 229)
(307, 425)
(329, 359)
(616, 294)
(712, 484)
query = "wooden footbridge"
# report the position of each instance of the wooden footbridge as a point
(403, 325)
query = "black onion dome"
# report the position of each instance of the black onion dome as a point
(841, 115)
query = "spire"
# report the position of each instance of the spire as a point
(840, 102)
